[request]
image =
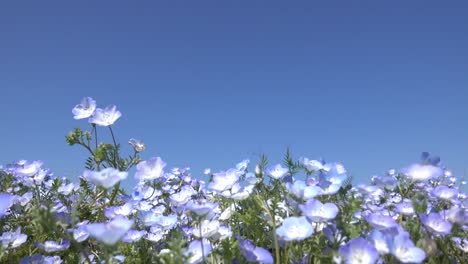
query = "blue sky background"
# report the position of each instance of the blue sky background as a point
(209, 83)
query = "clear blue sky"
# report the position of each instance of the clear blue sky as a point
(208, 83)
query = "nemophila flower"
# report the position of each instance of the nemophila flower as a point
(405, 207)
(52, 246)
(150, 169)
(39, 259)
(242, 166)
(106, 178)
(197, 251)
(106, 116)
(332, 233)
(319, 212)
(206, 228)
(335, 173)
(228, 212)
(312, 165)
(111, 232)
(183, 196)
(297, 188)
(6, 200)
(137, 144)
(313, 191)
(13, 239)
(461, 243)
(404, 250)
(166, 222)
(445, 193)
(423, 172)
(155, 234)
(277, 171)
(123, 210)
(455, 215)
(380, 221)
(66, 189)
(224, 180)
(30, 168)
(85, 109)
(25, 198)
(252, 253)
(436, 224)
(327, 188)
(134, 235)
(222, 233)
(295, 228)
(148, 218)
(201, 208)
(359, 251)
(80, 234)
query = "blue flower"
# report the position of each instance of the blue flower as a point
(105, 117)
(111, 232)
(423, 172)
(445, 193)
(85, 109)
(295, 228)
(13, 239)
(6, 200)
(52, 246)
(253, 253)
(114, 211)
(277, 171)
(106, 178)
(436, 224)
(380, 221)
(359, 251)
(197, 251)
(133, 236)
(201, 208)
(224, 180)
(150, 169)
(318, 212)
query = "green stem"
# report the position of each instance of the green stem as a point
(116, 155)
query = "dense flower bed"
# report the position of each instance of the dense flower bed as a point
(303, 211)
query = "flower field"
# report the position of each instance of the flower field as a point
(291, 211)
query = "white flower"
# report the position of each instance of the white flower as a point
(150, 169)
(105, 117)
(106, 178)
(85, 109)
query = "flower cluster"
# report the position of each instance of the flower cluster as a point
(303, 211)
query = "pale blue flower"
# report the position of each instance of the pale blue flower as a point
(445, 193)
(166, 222)
(6, 200)
(404, 249)
(85, 109)
(380, 221)
(318, 212)
(359, 251)
(133, 236)
(30, 168)
(80, 234)
(195, 251)
(150, 169)
(224, 180)
(123, 210)
(137, 144)
(66, 189)
(253, 253)
(295, 228)
(312, 165)
(201, 208)
(183, 196)
(423, 172)
(461, 243)
(52, 246)
(405, 207)
(105, 117)
(436, 224)
(277, 171)
(39, 259)
(111, 232)
(106, 178)
(206, 228)
(13, 239)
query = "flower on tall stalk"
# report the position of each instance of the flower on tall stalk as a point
(85, 109)
(277, 171)
(197, 251)
(252, 253)
(150, 169)
(52, 246)
(319, 212)
(111, 232)
(106, 178)
(106, 116)
(295, 228)
(6, 200)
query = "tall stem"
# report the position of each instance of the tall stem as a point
(116, 157)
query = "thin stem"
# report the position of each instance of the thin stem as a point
(116, 157)
(95, 135)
